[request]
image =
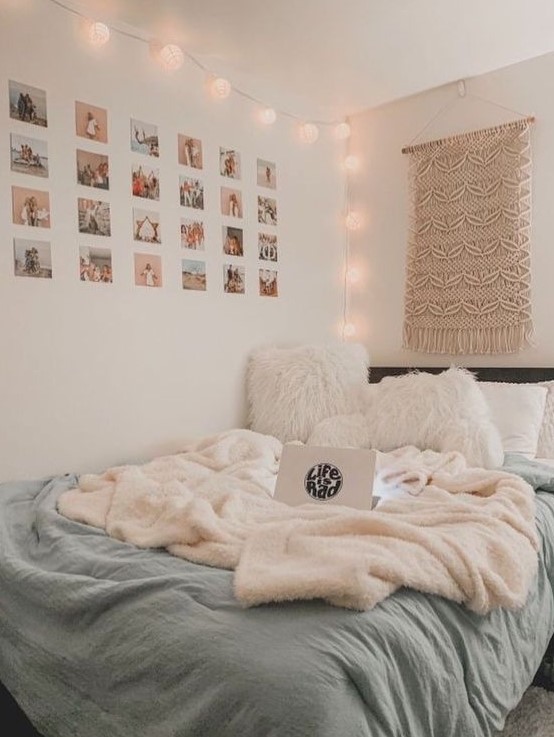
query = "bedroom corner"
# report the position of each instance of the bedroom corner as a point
(277, 368)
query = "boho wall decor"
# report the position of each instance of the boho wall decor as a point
(468, 263)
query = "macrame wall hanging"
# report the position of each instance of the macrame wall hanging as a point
(468, 263)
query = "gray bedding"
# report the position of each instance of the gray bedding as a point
(100, 638)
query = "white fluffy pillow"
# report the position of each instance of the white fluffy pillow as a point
(291, 389)
(442, 412)
(517, 411)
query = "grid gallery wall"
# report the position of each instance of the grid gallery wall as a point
(150, 238)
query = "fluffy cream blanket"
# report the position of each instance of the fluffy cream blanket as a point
(469, 535)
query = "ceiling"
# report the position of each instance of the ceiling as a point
(330, 58)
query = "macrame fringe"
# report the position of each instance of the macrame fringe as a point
(459, 341)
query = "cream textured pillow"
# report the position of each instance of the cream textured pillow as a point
(291, 389)
(517, 411)
(442, 412)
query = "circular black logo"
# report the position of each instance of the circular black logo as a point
(323, 482)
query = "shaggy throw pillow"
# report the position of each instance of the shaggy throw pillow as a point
(290, 390)
(441, 412)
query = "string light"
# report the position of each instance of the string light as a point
(268, 116)
(98, 34)
(172, 57)
(309, 132)
(353, 275)
(352, 163)
(343, 131)
(353, 221)
(221, 88)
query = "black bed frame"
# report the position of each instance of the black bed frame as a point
(514, 375)
(13, 718)
(20, 726)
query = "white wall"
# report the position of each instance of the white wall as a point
(92, 375)
(380, 190)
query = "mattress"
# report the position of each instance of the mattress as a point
(99, 637)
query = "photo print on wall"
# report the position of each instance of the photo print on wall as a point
(27, 104)
(231, 202)
(94, 217)
(146, 226)
(30, 207)
(267, 247)
(194, 275)
(192, 234)
(148, 270)
(229, 163)
(28, 155)
(144, 138)
(233, 241)
(32, 258)
(233, 278)
(190, 151)
(95, 265)
(267, 176)
(267, 210)
(93, 169)
(145, 182)
(267, 283)
(91, 122)
(191, 193)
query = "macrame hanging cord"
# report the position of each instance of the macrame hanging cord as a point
(468, 264)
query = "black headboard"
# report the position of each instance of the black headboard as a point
(516, 375)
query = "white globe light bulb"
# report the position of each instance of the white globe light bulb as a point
(351, 163)
(343, 131)
(349, 330)
(353, 221)
(268, 116)
(98, 34)
(353, 275)
(172, 57)
(309, 133)
(221, 87)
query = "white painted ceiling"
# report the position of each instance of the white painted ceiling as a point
(329, 58)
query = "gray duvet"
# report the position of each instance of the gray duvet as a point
(98, 638)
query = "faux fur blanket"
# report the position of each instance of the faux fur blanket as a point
(468, 536)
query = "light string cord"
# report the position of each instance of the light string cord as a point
(196, 61)
(346, 255)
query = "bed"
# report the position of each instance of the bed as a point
(99, 637)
